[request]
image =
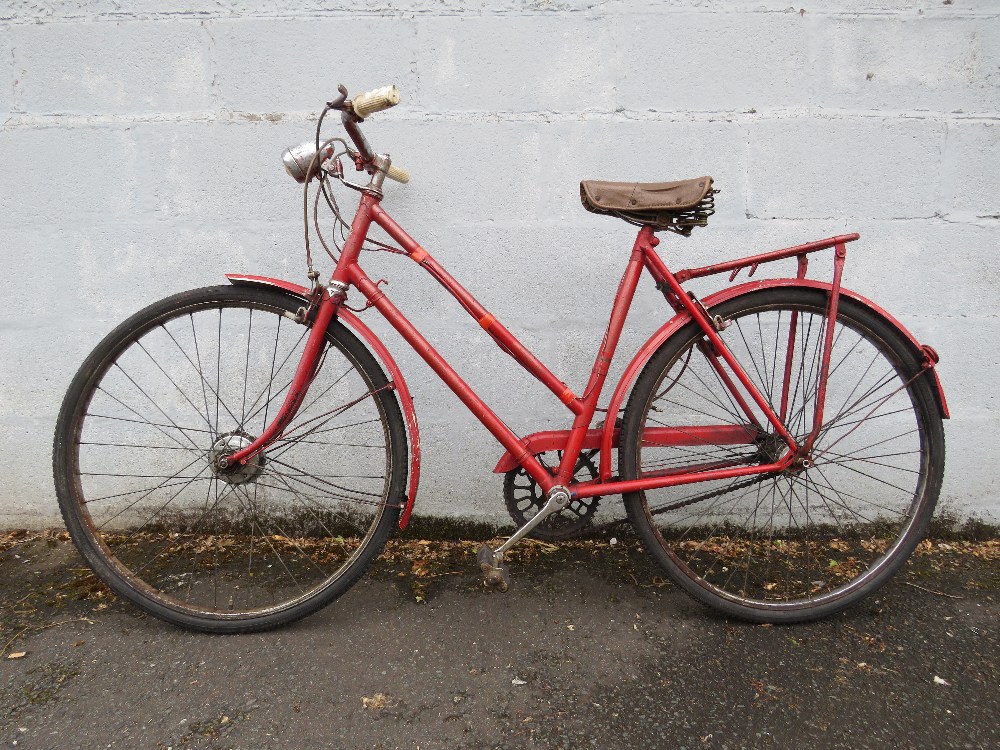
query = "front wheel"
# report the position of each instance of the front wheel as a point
(165, 524)
(829, 531)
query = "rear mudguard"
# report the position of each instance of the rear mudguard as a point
(351, 320)
(609, 434)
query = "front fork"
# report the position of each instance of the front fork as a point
(322, 308)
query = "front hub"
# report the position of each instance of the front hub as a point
(226, 446)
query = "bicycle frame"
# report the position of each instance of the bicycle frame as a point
(521, 450)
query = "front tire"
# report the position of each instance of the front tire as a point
(185, 381)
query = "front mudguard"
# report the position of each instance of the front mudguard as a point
(396, 378)
(654, 342)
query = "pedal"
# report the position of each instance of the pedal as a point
(495, 573)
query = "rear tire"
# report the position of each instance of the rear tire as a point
(188, 379)
(799, 545)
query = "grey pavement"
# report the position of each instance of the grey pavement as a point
(590, 648)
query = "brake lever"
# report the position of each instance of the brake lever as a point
(339, 102)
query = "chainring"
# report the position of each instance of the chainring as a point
(524, 498)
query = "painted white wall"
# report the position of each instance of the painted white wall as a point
(140, 146)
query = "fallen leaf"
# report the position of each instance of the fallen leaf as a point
(376, 702)
(518, 681)
(17, 655)
(940, 681)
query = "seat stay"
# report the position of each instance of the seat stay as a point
(699, 314)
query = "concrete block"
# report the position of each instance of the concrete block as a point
(37, 260)
(941, 64)
(970, 489)
(408, 7)
(817, 7)
(971, 171)
(150, 262)
(517, 63)
(206, 173)
(27, 497)
(99, 274)
(62, 175)
(125, 68)
(41, 11)
(970, 482)
(461, 172)
(859, 168)
(217, 173)
(7, 75)
(965, 362)
(534, 168)
(34, 11)
(717, 61)
(36, 372)
(279, 65)
(502, 173)
(915, 268)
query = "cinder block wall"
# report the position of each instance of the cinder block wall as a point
(140, 146)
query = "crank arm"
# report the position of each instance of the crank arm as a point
(558, 499)
(491, 561)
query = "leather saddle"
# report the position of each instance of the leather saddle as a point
(674, 206)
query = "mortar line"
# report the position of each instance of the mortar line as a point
(29, 121)
(418, 13)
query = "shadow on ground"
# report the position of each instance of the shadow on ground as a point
(590, 648)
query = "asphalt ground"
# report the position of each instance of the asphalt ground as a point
(591, 648)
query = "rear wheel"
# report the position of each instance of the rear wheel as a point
(193, 378)
(812, 540)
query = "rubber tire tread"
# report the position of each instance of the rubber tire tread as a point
(88, 376)
(929, 413)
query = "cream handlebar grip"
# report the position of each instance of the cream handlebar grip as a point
(397, 174)
(374, 101)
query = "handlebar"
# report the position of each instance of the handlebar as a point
(298, 159)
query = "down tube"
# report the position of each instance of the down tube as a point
(506, 437)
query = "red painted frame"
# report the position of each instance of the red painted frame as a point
(349, 272)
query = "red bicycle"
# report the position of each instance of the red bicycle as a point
(233, 458)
